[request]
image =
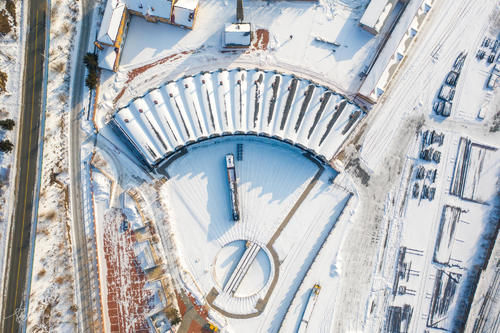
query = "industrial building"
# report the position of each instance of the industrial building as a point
(395, 48)
(238, 101)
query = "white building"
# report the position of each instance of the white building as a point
(184, 13)
(110, 35)
(376, 15)
(395, 50)
(237, 35)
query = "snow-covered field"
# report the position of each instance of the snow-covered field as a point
(272, 176)
(414, 223)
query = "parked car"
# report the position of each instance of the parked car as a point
(431, 175)
(416, 190)
(495, 46)
(437, 138)
(438, 107)
(436, 156)
(446, 109)
(432, 192)
(491, 58)
(426, 154)
(446, 93)
(425, 192)
(420, 172)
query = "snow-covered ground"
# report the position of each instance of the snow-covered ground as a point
(11, 64)
(437, 243)
(272, 176)
(325, 271)
(415, 223)
(53, 305)
(284, 39)
(132, 285)
(357, 264)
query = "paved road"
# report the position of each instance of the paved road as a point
(89, 311)
(29, 123)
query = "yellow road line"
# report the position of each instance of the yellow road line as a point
(28, 165)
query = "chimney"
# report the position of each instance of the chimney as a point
(239, 11)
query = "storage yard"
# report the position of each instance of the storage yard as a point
(442, 238)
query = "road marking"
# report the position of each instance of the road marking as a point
(27, 168)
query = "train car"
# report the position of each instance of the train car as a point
(233, 186)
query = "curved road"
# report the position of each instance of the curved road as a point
(89, 312)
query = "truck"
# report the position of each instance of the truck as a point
(233, 186)
(310, 303)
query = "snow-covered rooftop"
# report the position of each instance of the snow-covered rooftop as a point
(107, 58)
(378, 74)
(158, 8)
(183, 12)
(111, 20)
(144, 255)
(187, 4)
(157, 301)
(237, 101)
(237, 34)
(376, 13)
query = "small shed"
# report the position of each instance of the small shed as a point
(237, 35)
(184, 13)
